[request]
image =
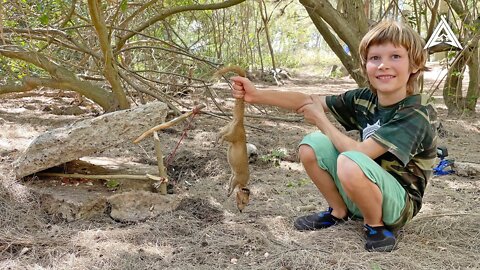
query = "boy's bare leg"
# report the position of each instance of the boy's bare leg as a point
(363, 192)
(323, 181)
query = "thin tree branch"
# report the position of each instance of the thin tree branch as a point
(174, 10)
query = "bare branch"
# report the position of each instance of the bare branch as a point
(62, 78)
(110, 67)
(174, 10)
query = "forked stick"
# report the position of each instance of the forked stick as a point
(169, 123)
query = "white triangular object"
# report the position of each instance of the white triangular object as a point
(443, 34)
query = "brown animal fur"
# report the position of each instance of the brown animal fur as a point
(234, 133)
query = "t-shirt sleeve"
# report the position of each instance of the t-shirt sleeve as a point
(404, 133)
(342, 108)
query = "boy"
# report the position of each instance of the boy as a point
(381, 178)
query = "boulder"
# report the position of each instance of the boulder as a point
(83, 138)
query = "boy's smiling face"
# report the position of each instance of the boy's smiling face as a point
(388, 70)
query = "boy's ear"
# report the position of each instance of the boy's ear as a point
(415, 70)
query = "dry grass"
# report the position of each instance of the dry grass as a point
(202, 234)
(205, 231)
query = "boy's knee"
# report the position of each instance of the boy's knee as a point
(348, 172)
(306, 154)
(315, 141)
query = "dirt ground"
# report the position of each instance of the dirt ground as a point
(205, 230)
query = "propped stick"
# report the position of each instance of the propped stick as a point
(169, 123)
(99, 176)
(161, 167)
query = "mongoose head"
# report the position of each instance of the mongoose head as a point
(243, 196)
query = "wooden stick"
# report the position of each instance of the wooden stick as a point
(161, 167)
(99, 176)
(169, 123)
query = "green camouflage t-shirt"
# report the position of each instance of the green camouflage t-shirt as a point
(406, 129)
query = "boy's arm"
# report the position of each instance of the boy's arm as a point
(244, 88)
(314, 114)
(343, 143)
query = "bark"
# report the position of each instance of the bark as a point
(452, 92)
(434, 10)
(473, 91)
(263, 11)
(61, 78)
(110, 67)
(355, 19)
(328, 21)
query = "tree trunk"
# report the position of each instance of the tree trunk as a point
(452, 90)
(110, 66)
(263, 11)
(61, 78)
(473, 91)
(325, 17)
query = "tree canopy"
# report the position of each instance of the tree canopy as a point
(111, 51)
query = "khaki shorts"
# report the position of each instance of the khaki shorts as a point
(397, 207)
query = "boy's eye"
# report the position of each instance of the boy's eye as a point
(374, 58)
(396, 56)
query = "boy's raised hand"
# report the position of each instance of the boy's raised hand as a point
(243, 88)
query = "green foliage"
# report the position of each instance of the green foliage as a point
(202, 39)
(123, 5)
(376, 266)
(112, 183)
(451, 55)
(16, 69)
(44, 19)
(299, 183)
(456, 73)
(274, 157)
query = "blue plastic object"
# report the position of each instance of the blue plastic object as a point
(440, 169)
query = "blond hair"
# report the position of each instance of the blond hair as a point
(398, 34)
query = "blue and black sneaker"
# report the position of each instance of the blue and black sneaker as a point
(379, 239)
(318, 221)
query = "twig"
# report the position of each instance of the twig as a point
(100, 176)
(161, 168)
(169, 123)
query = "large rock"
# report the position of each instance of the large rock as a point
(83, 138)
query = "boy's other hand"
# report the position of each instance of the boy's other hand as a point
(312, 112)
(243, 88)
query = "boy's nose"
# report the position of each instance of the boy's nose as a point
(383, 65)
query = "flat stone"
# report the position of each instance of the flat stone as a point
(86, 137)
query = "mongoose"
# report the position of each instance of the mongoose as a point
(234, 133)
